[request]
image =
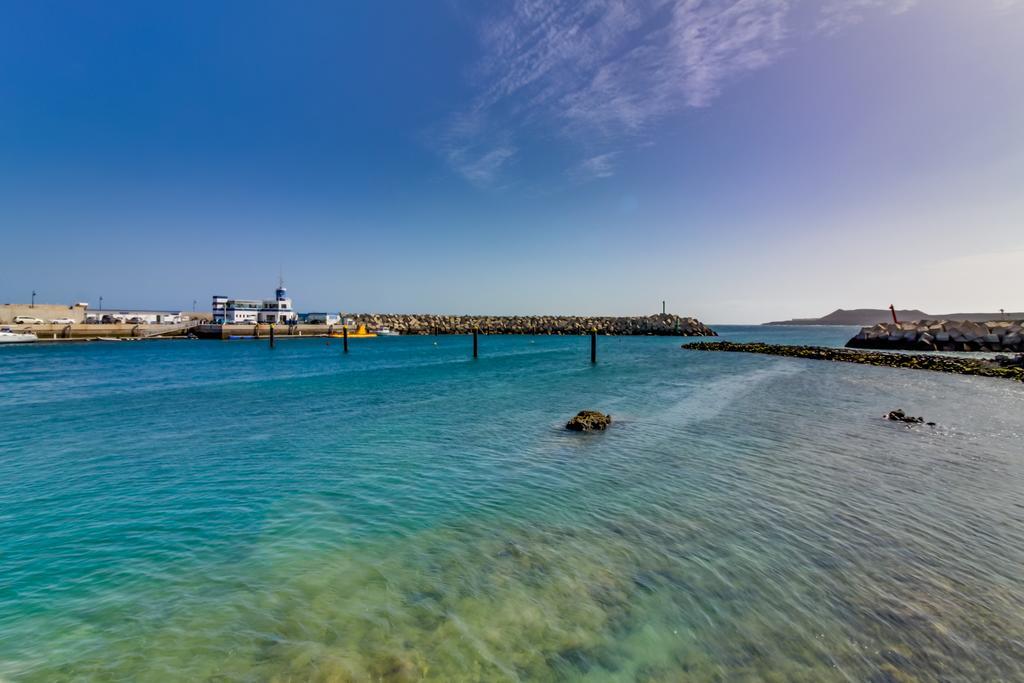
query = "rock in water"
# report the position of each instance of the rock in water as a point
(587, 420)
(899, 416)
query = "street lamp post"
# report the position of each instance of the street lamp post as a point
(101, 303)
(33, 304)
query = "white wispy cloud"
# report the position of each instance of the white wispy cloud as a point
(599, 71)
(602, 73)
(480, 166)
(598, 166)
(839, 14)
(683, 63)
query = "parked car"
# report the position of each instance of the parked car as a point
(136, 320)
(27, 320)
(62, 321)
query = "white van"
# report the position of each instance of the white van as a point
(27, 320)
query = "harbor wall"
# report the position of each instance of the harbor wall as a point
(942, 335)
(216, 331)
(94, 331)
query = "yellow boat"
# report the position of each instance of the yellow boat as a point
(360, 333)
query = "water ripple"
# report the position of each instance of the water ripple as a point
(405, 513)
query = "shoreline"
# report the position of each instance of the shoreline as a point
(948, 364)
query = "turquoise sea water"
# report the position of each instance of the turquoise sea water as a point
(220, 511)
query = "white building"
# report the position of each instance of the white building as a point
(228, 311)
(322, 318)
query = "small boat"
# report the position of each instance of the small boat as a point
(9, 337)
(360, 333)
(386, 332)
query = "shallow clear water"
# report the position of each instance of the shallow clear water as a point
(176, 510)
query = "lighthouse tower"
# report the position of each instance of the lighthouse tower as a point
(278, 310)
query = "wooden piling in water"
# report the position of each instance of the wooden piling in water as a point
(593, 345)
(344, 337)
(271, 335)
(476, 345)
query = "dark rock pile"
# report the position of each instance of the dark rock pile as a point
(952, 364)
(588, 420)
(660, 325)
(899, 416)
(942, 335)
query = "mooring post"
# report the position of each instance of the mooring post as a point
(344, 337)
(593, 345)
(271, 335)
(476, 344)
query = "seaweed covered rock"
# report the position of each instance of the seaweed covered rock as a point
(588, 420)
(899, 416)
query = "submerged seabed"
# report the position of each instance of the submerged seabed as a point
(217, 511)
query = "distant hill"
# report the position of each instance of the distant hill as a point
(870, 316)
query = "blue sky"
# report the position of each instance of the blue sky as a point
(745, 160)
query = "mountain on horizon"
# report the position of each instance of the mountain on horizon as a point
(872, 316)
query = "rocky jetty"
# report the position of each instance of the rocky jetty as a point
(952, 364)
(942, 335)
(660, 325)
(588, 420)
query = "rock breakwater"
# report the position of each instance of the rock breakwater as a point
(951, 364)
(942, 335)
(660, 325)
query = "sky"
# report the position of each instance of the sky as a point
(743, 160)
